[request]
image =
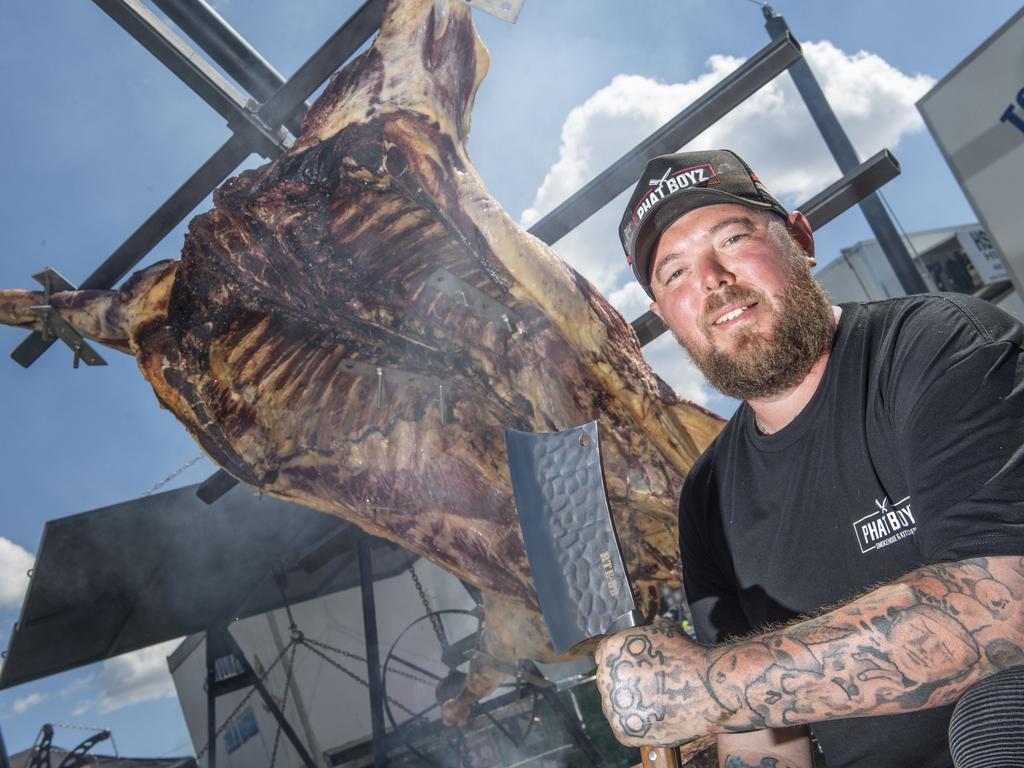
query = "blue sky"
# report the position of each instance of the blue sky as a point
(97, 134)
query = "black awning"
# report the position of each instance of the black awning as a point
(145, 571)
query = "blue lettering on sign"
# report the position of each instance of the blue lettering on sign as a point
(1010, 114)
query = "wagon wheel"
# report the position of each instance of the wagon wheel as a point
(427, 669)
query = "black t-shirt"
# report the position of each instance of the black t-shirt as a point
(911, 451)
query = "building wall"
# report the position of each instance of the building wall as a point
(961, 259)
(326, 707)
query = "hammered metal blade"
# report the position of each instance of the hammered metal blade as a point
(574, 554)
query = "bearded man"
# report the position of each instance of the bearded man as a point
(852, 541)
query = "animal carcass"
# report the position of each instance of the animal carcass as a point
(354, 324)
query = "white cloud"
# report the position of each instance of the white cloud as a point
(133, 678)
(76, 686)
(771, 130)
(15, 563)
(20, 706)
(82, 708)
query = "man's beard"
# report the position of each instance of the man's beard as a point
(759, 367)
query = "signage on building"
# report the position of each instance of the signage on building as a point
(976, 114)
(982, 253)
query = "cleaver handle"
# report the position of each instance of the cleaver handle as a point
(660, 757)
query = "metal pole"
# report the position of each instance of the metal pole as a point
(224, 45)
(4, 760)
(846, 158)
(211, 703)
(380, 755)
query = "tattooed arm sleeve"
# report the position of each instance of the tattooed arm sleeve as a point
(916, 643)
(768, 748)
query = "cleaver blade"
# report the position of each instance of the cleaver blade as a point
(574, 554)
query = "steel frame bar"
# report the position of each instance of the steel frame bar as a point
(341, 45)
(854, 186)
(322, 64)
(845, 156)
(151, 232)
(157, 38)
(229, 50)
(746, 80)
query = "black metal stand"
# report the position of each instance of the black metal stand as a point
(846, 158)
(380, 756)
(566, 716)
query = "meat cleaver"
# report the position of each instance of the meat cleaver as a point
(574, 554)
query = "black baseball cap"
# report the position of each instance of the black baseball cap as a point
(672, 185)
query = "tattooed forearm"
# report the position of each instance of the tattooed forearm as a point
(732, 761)
(916, 643)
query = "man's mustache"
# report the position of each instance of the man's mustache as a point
(730, 294)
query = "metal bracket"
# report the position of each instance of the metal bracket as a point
(519, 672)
(55, 325)
(160, 40)
(268, 141)
(506, 10)
(475, 300)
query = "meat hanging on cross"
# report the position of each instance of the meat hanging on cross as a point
(353, 326)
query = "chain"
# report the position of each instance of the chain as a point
(238, 708)
(435, 620)
(173, 475)
(79, 727)
(357, 657)
(354, 676)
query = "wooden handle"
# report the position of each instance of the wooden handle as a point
(660, 757)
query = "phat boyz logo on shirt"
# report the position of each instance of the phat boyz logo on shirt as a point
(889, 523)
(672, 182)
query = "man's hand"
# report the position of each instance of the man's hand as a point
(652, 686)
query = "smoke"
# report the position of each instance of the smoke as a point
(15, 563)
(772, 131)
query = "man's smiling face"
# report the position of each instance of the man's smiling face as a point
(734, 286)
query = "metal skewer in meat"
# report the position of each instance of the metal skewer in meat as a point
(353, 326)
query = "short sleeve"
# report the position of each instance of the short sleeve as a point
(710, 589)
(959, 422)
